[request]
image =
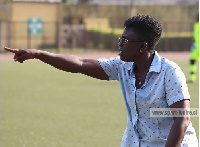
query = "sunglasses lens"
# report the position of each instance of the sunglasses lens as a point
(119, 39)
(122, 40)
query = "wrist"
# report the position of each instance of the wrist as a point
(36, 54)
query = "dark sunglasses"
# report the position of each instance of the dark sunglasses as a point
(124, 40)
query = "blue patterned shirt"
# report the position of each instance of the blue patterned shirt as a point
(164, 85)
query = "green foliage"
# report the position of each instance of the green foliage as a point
(42, 106)
(118, 32)
(107, 38)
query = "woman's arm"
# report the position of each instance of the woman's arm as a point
(180, 125)
(69, 63)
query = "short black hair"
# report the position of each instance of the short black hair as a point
(147, 27)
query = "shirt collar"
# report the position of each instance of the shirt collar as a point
(155, 65)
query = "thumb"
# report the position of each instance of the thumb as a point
(22, 58)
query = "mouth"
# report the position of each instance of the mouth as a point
(120, 52)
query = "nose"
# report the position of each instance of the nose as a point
(120, 44)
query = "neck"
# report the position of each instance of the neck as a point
(144, 62)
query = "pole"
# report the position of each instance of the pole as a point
(59, 26)
(132, 8)
(28, 36)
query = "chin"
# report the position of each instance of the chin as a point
(125, 60)
(122, 58)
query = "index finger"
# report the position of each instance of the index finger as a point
(11, 50)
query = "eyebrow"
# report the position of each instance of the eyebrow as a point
(123, 36)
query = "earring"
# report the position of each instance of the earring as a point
(141, 51)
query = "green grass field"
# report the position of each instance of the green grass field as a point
(43, 107)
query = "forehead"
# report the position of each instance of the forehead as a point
(129, 33)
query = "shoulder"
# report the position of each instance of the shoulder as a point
(172, 71)
(170, 68)
(111, 67)
(163, 64)
(169, 65)
(113, 60)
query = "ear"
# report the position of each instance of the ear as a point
(143, 47)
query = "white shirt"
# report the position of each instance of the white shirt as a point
(164, 85)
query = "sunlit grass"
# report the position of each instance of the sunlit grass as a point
(43, 107)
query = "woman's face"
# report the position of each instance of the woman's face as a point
(129, 46)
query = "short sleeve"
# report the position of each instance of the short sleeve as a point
(110, 67)
(175, 85)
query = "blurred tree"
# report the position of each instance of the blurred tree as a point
(75, 1)
(83, 1)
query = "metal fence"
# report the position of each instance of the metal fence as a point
(176, 36)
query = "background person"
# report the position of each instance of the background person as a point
(147, 81)
(195, 51)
